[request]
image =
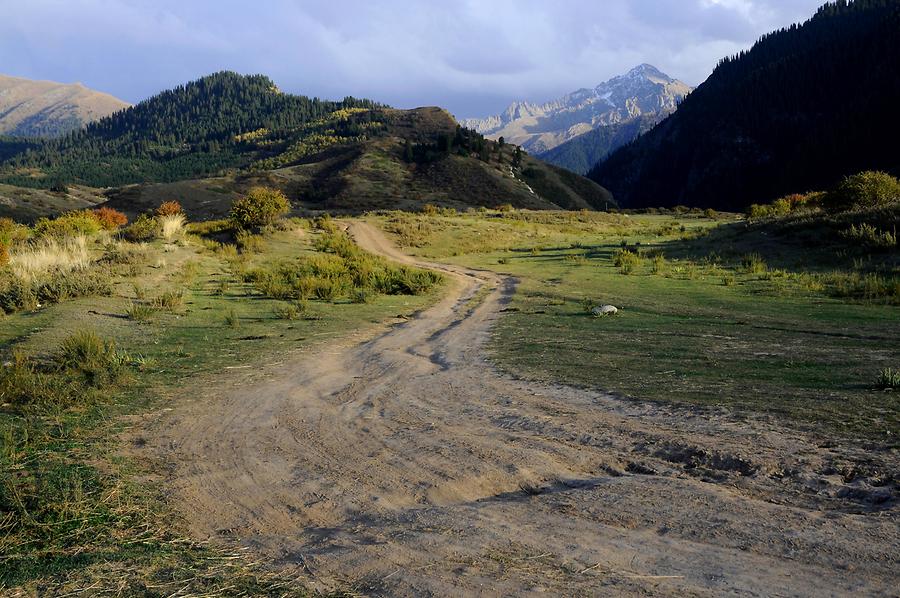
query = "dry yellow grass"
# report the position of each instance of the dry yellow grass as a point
(43, 256)
(171, 225)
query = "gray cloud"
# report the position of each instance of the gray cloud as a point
(468, 55)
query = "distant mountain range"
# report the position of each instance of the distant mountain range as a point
(643, 92)
(47, 109)
(802, 108)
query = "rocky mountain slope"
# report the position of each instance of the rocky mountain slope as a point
(48, 109)
(540, 127)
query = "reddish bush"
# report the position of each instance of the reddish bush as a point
(109, 218)
(169, 208)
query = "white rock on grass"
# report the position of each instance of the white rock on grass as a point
(604, 310)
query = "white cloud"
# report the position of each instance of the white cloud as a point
(469, 55)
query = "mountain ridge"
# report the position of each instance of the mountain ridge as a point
(37, 108)
(541, 127)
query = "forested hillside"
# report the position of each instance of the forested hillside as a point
(802, 108)
(583, 152)
(193, 130)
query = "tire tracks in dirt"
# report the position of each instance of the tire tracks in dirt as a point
(408, 466)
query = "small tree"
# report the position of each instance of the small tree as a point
(517, 157)
(260, 207)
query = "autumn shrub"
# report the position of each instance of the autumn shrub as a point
(260, 207)
(169, 208)
(109, 219)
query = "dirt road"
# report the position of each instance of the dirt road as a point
(408, 466)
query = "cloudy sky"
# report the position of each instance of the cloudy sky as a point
(471, 56)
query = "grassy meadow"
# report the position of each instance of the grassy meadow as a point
(714, 311)
(99, 330)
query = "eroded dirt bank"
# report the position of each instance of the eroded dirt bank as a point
(408, 466)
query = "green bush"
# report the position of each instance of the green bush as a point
(754, 263)
(139, 312)
(168, 301)
(59, 286)
(95, 358)
(81, 223)
(12, 233)
(15, 294)
(868, 189)
(144, 228)
(626, 260)
(260, 207)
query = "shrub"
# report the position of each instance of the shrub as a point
(869, 236)
(171, 225)
(359, 296)
(658, 264)
(81, 223)
(109, 219)
(626, 260)
(12, 233)
(868, 189)
(145, 228)
(287, 311)
(232, 320)
(260, 207)
(60, 285)
(139, 312)
(169, 208)
(754, 263)
(87, 353)
(16, 294)
(168, 301)
(325, 224)
(506, 207)
(889, 379)
(430, 210)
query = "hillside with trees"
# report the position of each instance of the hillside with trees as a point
(804, 107)
(193, 130)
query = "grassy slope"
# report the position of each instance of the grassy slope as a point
(695, 332)
(27, 205)
(109, 526)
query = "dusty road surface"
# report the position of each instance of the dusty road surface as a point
(408, 466)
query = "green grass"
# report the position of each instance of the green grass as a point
(74, 512)
(696, 330)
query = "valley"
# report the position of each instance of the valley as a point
(639, 340)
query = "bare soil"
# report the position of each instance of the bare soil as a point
(408, 466)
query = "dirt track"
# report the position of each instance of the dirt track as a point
(408, 466)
